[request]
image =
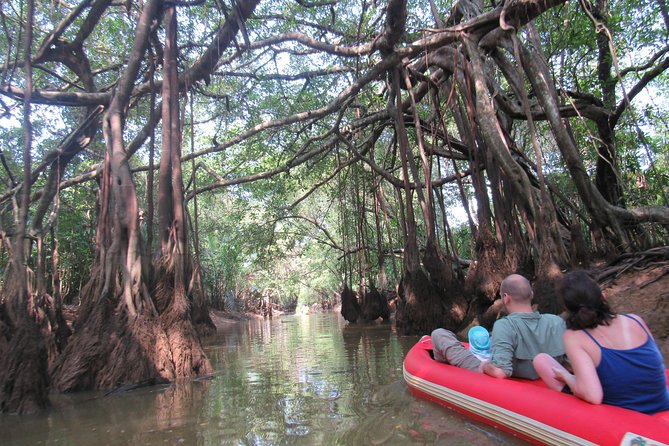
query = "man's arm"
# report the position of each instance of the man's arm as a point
(501, 362)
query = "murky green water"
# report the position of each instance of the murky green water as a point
(296, 380)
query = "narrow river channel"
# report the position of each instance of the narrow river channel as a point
(294, 380)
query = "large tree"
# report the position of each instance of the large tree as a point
(354, 125)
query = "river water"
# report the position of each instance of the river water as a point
(294, 380)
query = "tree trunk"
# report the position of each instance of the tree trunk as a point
(607, 172)
(23, 364)
(429, 300)
(119, 323)
(604, 220)
(174, 270)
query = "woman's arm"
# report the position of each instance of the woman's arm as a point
(584, 382)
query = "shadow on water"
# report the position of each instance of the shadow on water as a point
(307, 380)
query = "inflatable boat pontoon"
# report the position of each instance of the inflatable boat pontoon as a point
(528, 409)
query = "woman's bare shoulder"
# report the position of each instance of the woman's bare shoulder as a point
(640, 320)
(636, 317)
(572, 335)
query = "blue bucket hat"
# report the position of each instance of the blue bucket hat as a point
(479, 340)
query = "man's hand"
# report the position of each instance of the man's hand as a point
(491, 369)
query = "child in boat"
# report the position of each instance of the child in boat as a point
(479, 343)
(614, 358)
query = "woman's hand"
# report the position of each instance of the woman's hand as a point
(563, 376)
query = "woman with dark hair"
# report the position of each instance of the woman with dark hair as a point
(614, 358)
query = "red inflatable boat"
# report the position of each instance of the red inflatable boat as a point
(528, 409)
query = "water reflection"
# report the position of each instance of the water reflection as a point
(295, 380)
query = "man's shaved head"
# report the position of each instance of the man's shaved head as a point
(517, 287)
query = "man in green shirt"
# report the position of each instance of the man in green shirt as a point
(516, 338)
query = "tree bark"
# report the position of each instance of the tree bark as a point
(174, 269)
(23, 364)
(119, 323)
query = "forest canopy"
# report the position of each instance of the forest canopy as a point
(160, 158)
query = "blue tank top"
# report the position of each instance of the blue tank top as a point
(634, 378)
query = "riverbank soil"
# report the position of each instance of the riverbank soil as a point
(223, 318)
(644, 292)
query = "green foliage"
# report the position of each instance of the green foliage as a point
(75, 232)
(242, 250)
(267, 237)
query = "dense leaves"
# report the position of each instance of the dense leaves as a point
(423, 147)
